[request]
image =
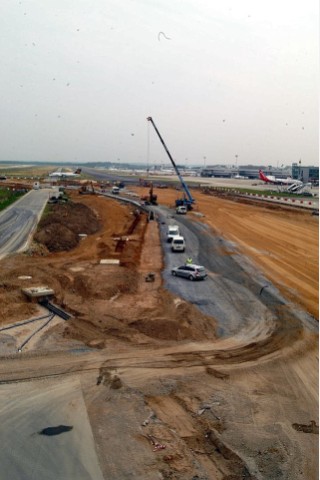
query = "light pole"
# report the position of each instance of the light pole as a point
(299, 169)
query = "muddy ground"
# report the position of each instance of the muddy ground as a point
(151, 373)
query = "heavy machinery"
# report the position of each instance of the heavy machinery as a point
(87, 187)
(187, 199)
(152, 197)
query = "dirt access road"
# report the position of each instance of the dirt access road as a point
(165, 398)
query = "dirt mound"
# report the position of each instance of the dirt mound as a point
(113, 281)
(13, 305)
(57, 238)
(169, 318)
(59, 230)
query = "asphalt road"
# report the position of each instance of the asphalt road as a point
(18, 221)
(235, 293)
(111, 176)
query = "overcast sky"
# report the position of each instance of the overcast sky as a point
(226, 82)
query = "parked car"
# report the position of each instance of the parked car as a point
(192, 272)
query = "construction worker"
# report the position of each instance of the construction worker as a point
(189, 261)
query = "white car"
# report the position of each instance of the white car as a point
(173, 231)
(181, 210)
(178, 244)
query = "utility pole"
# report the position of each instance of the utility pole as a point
(299, 169)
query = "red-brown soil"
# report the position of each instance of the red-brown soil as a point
(143, 311)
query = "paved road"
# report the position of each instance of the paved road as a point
(111, 176)
(235, 293)
(18, 221)
(30, 407)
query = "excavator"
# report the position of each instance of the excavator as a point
(86, 188)
(152, 197)
(187, 199)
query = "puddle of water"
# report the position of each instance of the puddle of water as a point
(51, 431)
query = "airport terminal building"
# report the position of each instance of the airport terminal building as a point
(304, 173)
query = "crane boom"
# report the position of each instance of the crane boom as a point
(189, 200)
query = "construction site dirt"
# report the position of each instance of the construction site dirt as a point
(142, 375)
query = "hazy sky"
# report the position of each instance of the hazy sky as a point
(227, 81)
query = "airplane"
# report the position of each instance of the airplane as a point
(190, 173)
(278, 181)
(240, 177)
(61, 174)
(162, 171)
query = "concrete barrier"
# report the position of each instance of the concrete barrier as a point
(284, 200)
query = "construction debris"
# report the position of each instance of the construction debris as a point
(109, 261)
(157, 446)
(38, 292)
(150, 277)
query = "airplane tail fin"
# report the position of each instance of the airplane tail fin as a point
(262, 176)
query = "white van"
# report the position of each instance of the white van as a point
(178, 244)
(173, 231)
(181, 210)
(115, 190)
